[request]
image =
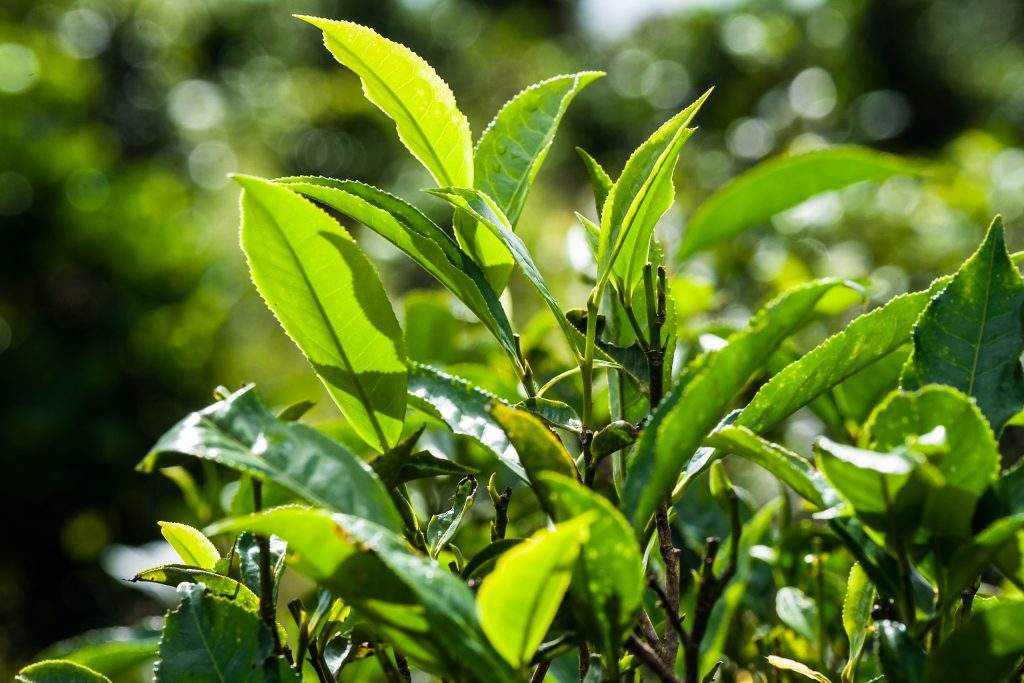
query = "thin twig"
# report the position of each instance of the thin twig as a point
(673, 614)
(540, 672)
(268, 610)
(650, 659)
(670, 555)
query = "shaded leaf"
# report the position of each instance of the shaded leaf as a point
(394, 469)
(192, 546)
(987, 647)
(240, 433)
(110, 651)
(488, 555)
(539, 450)
(207, 638)
(465, 409)
(248, 548)
(702, 395)
(329, 299)
(974, 556)
(797, 611)
(971, 336)
(613, 437)
(785, 664)
(901, 657)
(785, 465)
(608, 581)
(518, 600)
(600, 182)
(554, 413)
(410, 93)
(781, 183)
(442, 527)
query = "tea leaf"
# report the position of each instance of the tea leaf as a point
(442, 527)
(406, 227)
(860, 596)
(408, 90)
(781, 183)
(539, 450)
(240, 433)
(784, 664)
(986, 648)
(971, 335)
(109, 651)
(638, 199)
(465, 409)
(330, 300)
(207, 638)
(192, 547)
(797, 611)
(59, 671)
(608, 581)
(902, 659)
(216, 584)
(702, 395)
(514, 145)
(973, 557)
(518, 600)
(248, 550)
(600, 183)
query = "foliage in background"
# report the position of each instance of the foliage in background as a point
(634, 554)
(122, 298)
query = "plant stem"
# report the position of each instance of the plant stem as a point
(540, 672)
(268, 610)
(819, 586)
(587, 375)
(650, 659)
(670, 555)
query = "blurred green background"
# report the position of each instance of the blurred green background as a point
(124, 298)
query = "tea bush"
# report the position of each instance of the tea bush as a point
(612, 542)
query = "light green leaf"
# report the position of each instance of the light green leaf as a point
(781, 183)
(971, 335)
(110, 651)
(797, 611)
(465, 409)
(863, 342)
(702, 395)
(641, 195)
(784, 664)
(433, 248)
(514, 145)
(330, 300)
(539, 449)
(209, 639)
(986, 648)
(482, 208)
(192, 546)
(240, 433)
(785, 465)
(518, 600)
(600, 182)
(967, 457)
(608, 582)
(425, 611)
(860, 597)
(216, 584)
(442, 527)
(410, 93)
(58, 671)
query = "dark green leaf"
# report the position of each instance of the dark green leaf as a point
(240, 433)
(329, 299)
(209, 639)
(554, 413)
(973, 557)
(987, 648)
(58, 671)
(488, 555)
(702, 395)
(539, 450)
(608, 581)
(613, 437)
(971, 336)
(514, 145)
(394, 469)
(781, 183)
(295, 411)
(901, 657)
(464, 408)
(248, 549)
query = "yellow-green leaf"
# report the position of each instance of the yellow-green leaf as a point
(192, 546)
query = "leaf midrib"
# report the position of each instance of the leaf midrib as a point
(984, 320)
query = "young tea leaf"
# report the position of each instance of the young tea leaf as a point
(539, 449)
(600, 182)
(110, 651)
(59, 671)
(408, 90)
(971, 336)
(192, 546)
(216, 584)
(518, 600)
(784, 664)
(860, 596)
(330, 300)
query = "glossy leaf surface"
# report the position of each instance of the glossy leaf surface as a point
(192, 546)
(216, 584)
(59, 671)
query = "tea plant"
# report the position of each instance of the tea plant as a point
(611, 543)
